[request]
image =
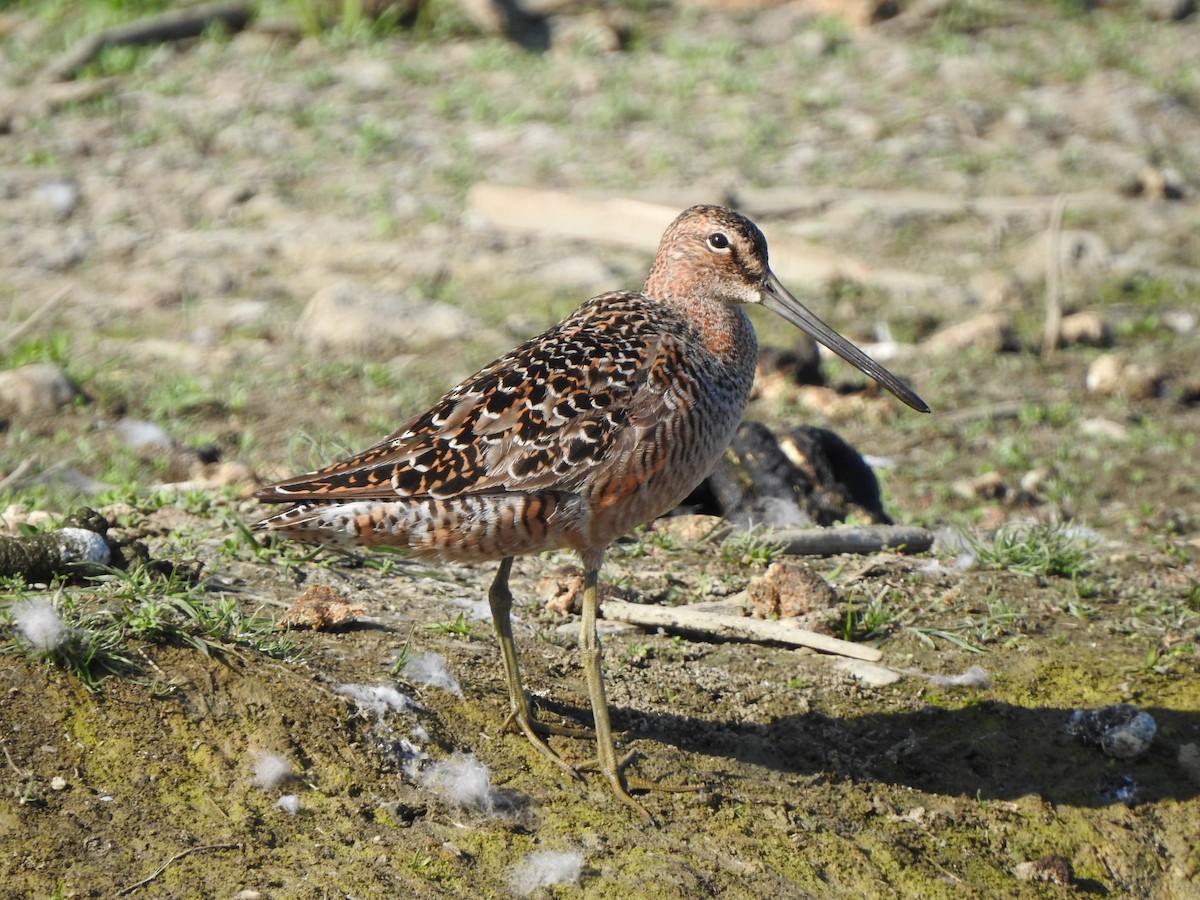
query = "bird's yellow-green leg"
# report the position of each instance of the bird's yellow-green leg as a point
(500, 599)
(589, 643)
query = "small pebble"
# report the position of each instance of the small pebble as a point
(58, 783)
(1049, 868)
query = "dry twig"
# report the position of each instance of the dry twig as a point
(125, 892)
(34, 317)
(1052, 330)
(173, 25)
(683, 618)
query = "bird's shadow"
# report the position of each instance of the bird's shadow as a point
(989, 750)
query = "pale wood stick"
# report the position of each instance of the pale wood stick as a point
(34, 317)
(1052, 329)
(683, 618)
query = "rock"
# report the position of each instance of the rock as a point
(1087, 328)
(1110, 375)
(692, 529)
(1032, 482)
(509, 18)
(348, 317)
(1105, 429)
(1121, 730)
(589, 33)
(988, 486)
(789, 589)
(1104, 374)
(140, 435)
(1156, 184)
(37, 389)
(989, 332)
(1049, 868)
(1081, 254)
(562, 591)
(1168, 10)
(57, 196)
(994, 291)
(1180, 321)
(16, 515)
(321, 608)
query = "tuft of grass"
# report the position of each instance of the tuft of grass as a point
(458, 626)
(873, 620)
(1037, 550)
(104, 630)
(754, 547)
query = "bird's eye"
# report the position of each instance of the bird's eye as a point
(718, 241)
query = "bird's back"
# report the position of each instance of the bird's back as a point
(603, 422)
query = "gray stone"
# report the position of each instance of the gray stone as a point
(38, 389)
(351, 317)
(1081, 254)
(60, 196)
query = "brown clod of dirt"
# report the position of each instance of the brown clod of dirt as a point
(788, 590)
(321, 608)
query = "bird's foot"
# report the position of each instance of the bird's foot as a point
(521, 720)
(622, 785)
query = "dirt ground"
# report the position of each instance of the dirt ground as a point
(190, 209)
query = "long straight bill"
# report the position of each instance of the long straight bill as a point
(779, 300)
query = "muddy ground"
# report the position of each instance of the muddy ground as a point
(184, 215)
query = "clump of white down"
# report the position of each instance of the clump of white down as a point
(431, 669)
(464, 781)
(39, 623)
(545, 867)
(271, 770)
(378, 699)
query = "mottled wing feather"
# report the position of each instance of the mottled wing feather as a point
(540, 417)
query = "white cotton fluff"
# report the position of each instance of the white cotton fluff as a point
(39, 623)
(947, 540)
(289, 803)
(431, 669)
(462, 780)
(378, 699)
(545, 867)
(974, 677)
(271, 770)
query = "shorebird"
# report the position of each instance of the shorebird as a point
(605, 421)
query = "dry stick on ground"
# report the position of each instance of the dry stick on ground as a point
(41, 312)
(856, 539)
(683, 618)
(1052, 330)
(125, 892)
(15, 475)
(174, 25)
